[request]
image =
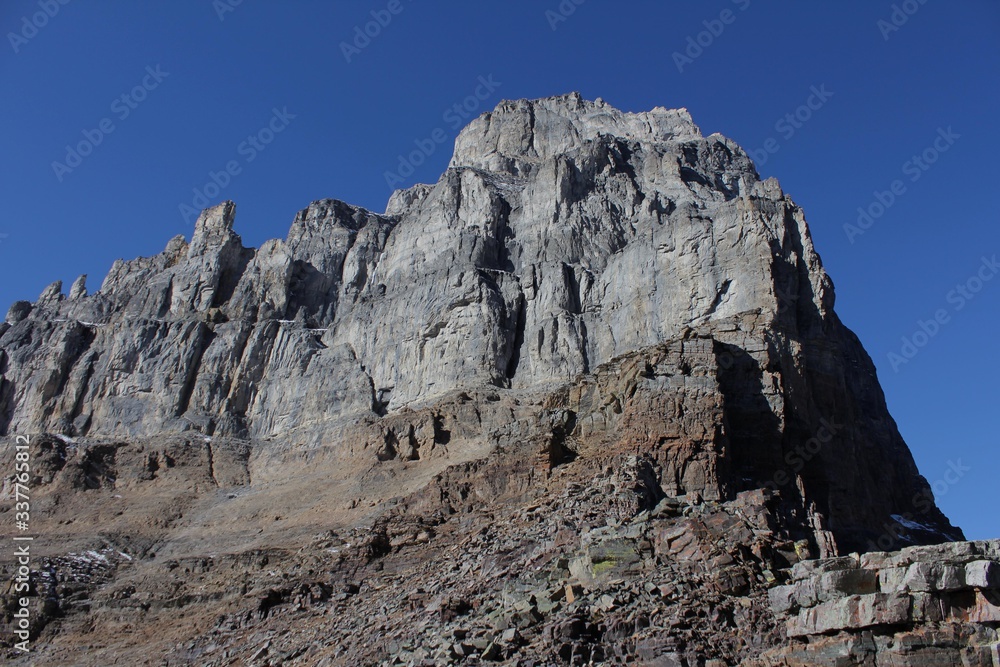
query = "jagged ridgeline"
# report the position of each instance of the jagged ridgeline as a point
(564, 235)
(585, 297)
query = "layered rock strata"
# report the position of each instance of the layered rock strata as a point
(919, 606)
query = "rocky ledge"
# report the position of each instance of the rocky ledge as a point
(934, 605)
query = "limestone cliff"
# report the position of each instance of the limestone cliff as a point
(581, 282)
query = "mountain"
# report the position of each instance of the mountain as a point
(585, 397)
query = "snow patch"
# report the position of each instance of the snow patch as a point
(912, 525)
(101, 558)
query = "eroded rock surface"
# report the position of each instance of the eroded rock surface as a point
(587, 301)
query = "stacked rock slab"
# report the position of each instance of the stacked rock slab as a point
(931, 605)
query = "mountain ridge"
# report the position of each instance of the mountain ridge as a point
(565, 234)
(585, 297)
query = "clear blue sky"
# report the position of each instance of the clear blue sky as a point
(218, 82)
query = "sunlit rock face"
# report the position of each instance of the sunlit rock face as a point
(564, 237)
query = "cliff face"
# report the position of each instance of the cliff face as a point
(581, 282)
(564, 234)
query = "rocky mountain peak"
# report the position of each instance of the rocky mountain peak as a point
(520, 133)
(587, 301)
(213, 228)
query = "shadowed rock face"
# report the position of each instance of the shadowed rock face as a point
(580, 281)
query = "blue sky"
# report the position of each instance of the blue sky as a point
(265, 96)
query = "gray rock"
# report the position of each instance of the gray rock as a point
(891, 579)
(843, 583)
(79, 288)
(934, 577)
(782, 599)
(810, 568)
(929, 602)
(51, 295)
(983, 574)
(852, 613)
(564, 236)
(18, 311)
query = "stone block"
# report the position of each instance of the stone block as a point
(890, 579)
(843, 583)
(852, 613)
(782, 599)
(982, 574)
(934, 577)
(809, 568)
